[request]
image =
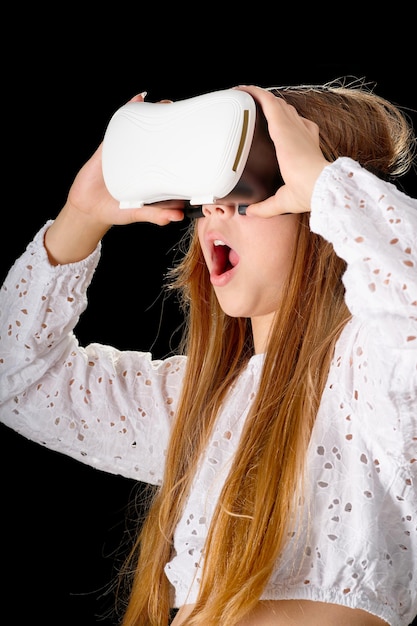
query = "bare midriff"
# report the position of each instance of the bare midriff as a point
(297, 613)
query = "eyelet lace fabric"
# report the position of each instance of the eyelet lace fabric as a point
(355, 541)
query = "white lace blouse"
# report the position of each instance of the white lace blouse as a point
(113, 410)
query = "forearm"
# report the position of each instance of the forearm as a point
(372, 226)
(39, 306)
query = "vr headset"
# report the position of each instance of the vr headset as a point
(206, 149)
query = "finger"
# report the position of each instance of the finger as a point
(140, 97)
(160, 217)
(267, 208)
(263, 96)
(160, 213)
(282, 203)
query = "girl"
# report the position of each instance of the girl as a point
(282, 439)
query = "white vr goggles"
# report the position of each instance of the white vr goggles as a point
(202, 150)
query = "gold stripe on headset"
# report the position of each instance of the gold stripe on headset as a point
(242, 139)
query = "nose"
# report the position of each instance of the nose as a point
(219, 210)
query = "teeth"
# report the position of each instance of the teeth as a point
(219, 242)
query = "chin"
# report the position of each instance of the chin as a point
(234, 312)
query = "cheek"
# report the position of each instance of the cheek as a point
(275, 248)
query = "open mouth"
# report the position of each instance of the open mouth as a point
(224, 258)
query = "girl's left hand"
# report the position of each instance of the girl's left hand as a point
(300, 158)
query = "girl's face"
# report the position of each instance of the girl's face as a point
(248, 258)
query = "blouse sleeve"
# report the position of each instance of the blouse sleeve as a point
(110, 409)
(373, 227)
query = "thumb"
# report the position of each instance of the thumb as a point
(284, 201)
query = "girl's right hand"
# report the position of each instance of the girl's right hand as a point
(89, 195)
(90, 211)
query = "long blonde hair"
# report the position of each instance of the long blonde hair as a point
(249, 526)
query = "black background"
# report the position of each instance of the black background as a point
(62, 522)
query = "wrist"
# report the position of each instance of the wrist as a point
(72, 236)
